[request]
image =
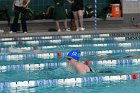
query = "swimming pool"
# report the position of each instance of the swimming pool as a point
(38, 64)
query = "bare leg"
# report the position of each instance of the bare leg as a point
(76, 19)
(80, 14)
(65, 24)
(58, 26)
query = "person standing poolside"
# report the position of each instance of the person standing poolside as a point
(77, 8)
(19, 7)
(73, 57)
(60, 14)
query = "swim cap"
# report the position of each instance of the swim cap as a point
(75, 54)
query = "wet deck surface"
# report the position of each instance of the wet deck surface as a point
(45, 33)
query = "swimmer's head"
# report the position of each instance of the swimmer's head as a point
(75, 54)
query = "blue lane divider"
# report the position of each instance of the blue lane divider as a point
(24, 56)
(31, 66)
(129, 61)
(28, 56)
(130, 34)
(37, 42)
(55, 37)
(64, 37)
(125, 34)
(35, 47)
(57, 41)
(68, 81)
(124, 62)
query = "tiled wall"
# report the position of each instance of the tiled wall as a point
(6, 4)
(101, 4)
(39, 5)
(129, 6)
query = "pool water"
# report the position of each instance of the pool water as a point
(131, 86)
(38, 64)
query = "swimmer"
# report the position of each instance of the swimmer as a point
(132, 56)
(102, 56)
(73, 57)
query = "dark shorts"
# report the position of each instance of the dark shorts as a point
(77, 6)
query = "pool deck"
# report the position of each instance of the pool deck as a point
(41, 29)
(43, 33)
